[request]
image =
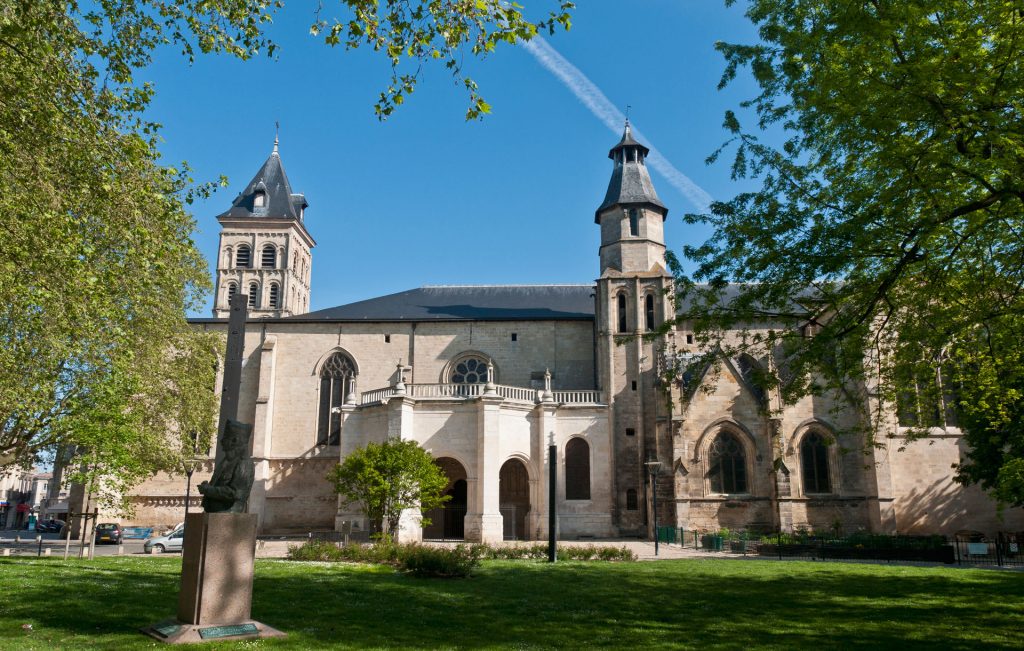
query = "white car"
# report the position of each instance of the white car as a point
(169, 543)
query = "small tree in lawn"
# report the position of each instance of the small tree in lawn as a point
(388, 478)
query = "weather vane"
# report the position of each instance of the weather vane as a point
(627, 111)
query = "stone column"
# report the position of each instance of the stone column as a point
(543, 437)
(483, 522)
(263, 426)
(782, 491)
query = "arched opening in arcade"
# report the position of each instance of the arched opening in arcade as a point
(447, 522)
(514, 498)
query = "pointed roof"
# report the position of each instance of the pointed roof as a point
(279, 201)
(631, 182)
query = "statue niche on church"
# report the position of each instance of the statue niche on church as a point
(228, 489)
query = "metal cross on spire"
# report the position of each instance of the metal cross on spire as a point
(277, 133)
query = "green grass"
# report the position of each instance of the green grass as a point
(702, 604)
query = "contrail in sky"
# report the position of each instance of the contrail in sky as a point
(605, 111)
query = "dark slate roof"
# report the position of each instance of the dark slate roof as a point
(281, 202)
(627, 141)
(631, 182)
(469, 302)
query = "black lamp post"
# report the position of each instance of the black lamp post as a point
(653, 467)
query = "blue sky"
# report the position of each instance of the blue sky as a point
(428, 198)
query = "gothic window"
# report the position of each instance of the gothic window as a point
(928, 398)
(269, 259)
(259, 199)
(814, 461)
(631, 504)
(727, 468)
(649, 311)
(577, 470)
(243, 259)
(622, 312)
(254, 296)
(336, 381)
(232, 290)
(634, 222)
(275, 296)
(470, 370)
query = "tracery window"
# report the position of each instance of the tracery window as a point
(470, 370)
(243, 257)
(577, 470)
(337, 378)
(814, 463)
(727, 467)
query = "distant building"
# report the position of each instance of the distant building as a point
(487, 377)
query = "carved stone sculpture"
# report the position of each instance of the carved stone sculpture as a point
(228, 489)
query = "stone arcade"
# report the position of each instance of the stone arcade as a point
(486, 377)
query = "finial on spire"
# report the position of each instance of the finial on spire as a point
(277, 133)
(628, 106)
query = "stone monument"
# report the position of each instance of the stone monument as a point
(215, 600)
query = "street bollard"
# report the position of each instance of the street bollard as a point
(5, 552)
(47, 551)
(120, 549)
(39, 539)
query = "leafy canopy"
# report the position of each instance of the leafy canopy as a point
(387, 478)
(890, 218)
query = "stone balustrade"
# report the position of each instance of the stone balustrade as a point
(444, 391)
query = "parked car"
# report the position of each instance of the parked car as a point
(169, 543)
(109, 532)
(50, 526)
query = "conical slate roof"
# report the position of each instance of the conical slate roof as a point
(279, 202)
(631, 182)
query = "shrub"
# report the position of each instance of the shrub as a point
(316, 550)
(445, 562)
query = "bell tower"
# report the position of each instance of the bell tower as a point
(633, 298)
(264, 247)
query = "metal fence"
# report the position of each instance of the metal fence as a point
(1005, 550)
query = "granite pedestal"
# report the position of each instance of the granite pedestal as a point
(215, 600)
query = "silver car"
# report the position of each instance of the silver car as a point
(169, 543)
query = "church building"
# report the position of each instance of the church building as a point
(486, 378)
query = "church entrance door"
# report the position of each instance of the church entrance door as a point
(514, 498)
(447, 522)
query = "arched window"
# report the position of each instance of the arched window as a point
(274, 297)
(649, 311)
(631, 504)
(254, 295)
(259, 199)
(634, 222)
(622, 312)
(337, 379)
(471, 369)
(577, 470)
(243, 259)
(269, 259)
(727, 469)
(814, 462)
(232, 290)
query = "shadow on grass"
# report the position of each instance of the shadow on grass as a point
(703, 604)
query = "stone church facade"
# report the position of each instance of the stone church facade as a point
(487, 377)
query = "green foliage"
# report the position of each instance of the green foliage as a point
(99, 269)
(889, 223)
(441, 562)
(437, 560)
(387, 478)
(413, 34)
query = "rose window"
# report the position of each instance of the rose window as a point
(471, 370)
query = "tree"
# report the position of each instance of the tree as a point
(97, 360)
(889, 222)
(388, 478)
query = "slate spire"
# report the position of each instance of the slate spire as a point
(269, 194)
(631, 182)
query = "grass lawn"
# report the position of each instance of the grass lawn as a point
(701, 604)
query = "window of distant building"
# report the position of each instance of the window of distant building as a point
(577, 470)
(814, 464)
(336, 382)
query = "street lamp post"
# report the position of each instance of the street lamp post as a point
(653, 467)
